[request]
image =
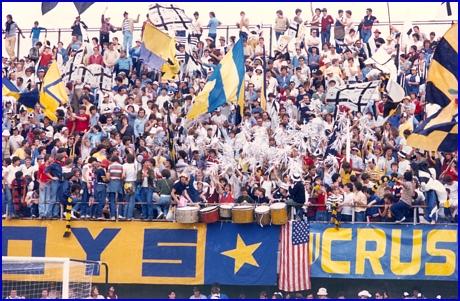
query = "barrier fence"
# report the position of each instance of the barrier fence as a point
(416, 212)
(228, 29)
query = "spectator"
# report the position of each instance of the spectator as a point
(128, 27)
(76, 28)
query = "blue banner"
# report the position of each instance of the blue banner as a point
(421, 252)
(241, 254)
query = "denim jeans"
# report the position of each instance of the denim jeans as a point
(84, 211)
(321, 216)
(325, 37)
(100, 196)
(53, 208)
(365, 36)
(44, 195)
(113, 203)
(8, 200)
(130, 199)
(163, 203)
(146, 197)
(360, 216)
(127, 41)
(34, 42)
(278, 34)
(430, 199)
(213, 36)
(399, 210)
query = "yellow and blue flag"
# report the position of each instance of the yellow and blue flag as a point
(226, 83)
(9, 89)
(440, 131)
(237, 254)
(162, 48)
(53, 92)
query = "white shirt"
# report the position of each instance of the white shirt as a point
(196, 26)
(29, 171)
(130, 172)
(120, 100)
(403, 167)
(11, 173)
(161, 100)
(16, 141)
(453, 193)
(219, 119)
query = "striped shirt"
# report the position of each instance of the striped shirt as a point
(331, 200)
(126, 25)
(115, 169)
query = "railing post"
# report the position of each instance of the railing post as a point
(415, 215)
(353, 214)
(226, 38)
(19, 45)
(271, 38)
(59, 35)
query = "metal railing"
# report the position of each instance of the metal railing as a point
(228, 28)
(226, 220)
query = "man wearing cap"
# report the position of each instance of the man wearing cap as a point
(124, 64)
(106, 27)
(364, 295)
(412, 81)
(379, 41)
(7, 145)
(322, 293)
(222, 47)
(297, 191)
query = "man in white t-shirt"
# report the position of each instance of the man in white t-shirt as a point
(218, 118)
(16, 139)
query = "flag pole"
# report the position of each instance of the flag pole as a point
(348, 141)
(389, 19)
(264, 57)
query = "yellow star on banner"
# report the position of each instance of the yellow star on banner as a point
(242, 254)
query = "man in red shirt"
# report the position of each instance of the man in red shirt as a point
(45, 184)
(82, 120)
(96, 57)
(326, 23)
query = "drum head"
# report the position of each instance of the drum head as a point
(208, 209)
(244, 207)
(188, 209)
(278, 206)
(262, 209)
(226, 206)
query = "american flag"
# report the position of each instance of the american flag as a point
(295, 258)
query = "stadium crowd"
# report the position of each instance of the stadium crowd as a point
(132, 147)
(215, 293)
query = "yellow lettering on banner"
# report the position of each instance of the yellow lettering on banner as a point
(315, 243)
(329, 266)
(20, 248)
(440, 269)
(406, 268)
(365, 235)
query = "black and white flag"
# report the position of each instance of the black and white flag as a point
(355, 96)
(169, 17)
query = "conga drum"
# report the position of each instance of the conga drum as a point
(187, 215)
(209, 214)
(262, 215)
(226, 210)
(278, 212)
(243, 214)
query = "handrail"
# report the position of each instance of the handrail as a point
(234, 27)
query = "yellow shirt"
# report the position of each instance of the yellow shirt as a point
(403, 127)
(346, 176)
(20, 153)
(244, 164)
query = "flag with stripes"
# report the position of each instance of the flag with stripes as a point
(440, 131)
(294, 259)
(354, 96)
(169, 17)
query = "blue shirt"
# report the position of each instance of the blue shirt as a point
(36, 32)
(213, 23)
(139, 125)
(124, 64)
(55, 169)
(95, 138)
(135, 52)
(283, 81)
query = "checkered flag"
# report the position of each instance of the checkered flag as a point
(169, 17)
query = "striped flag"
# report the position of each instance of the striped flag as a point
(294, 258)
